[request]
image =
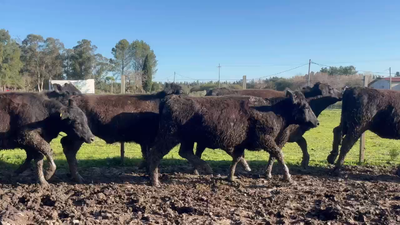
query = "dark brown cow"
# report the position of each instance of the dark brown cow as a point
(319, 97)
(365, 109)
(228, 123)
(67, 88)
(117, 118)
(31, 120)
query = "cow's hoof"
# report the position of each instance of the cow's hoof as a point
(304, 164)
(336, 172)
(331, 159)
(155, 184)
(287, 178)
(196, 172)
(44, 184)
(247, 168)
(268, 176)
(142, 165)
(49, 174)
(79, 179)
(208, 169)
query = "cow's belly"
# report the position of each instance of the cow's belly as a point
(388, 128)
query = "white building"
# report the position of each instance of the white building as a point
(85, 86)
(383, 83)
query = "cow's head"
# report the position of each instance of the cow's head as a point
(173, 89)
(321, 89)
(301, 111)
(74, 122)
(68, 88)
(219, 91)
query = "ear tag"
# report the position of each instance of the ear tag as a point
(60, 114)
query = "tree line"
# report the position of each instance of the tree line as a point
(29, 64)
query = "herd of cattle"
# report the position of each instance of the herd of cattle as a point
(231, 120)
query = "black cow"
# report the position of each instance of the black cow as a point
(319, 97)
(67, 88)
(229, 123)
(116, 118)
(365, 109)
(31, 120)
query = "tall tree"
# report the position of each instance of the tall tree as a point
(33, 59)
(342, 70)
(83, 60)
(53, 59)
(101, 70)
(147, 75)
(10, 63)
(140, 50)
(122, 61)
(67, 56)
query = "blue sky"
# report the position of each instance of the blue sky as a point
(253, 38)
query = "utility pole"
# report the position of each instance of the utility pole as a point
(309, 78)
(122, 143)
(244, 82)
(390, 78)
(219, 75)
(174, 77)
(362, 138)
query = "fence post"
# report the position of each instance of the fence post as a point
(122, 143)
(362, 138)
(244, 82)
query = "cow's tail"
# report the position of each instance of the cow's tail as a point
(347, 108)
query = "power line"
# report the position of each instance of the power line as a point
(274, 74)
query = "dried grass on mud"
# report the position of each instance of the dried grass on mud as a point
(121, 196)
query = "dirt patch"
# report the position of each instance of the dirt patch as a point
(119, 196)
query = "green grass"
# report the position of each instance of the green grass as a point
(378, 151)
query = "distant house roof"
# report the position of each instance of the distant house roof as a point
(394, 80)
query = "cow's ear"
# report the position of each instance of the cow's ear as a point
(290, 94)
(57, 87)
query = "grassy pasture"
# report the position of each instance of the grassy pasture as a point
(98, 154)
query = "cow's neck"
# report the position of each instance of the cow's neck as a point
(283, 111)
(319, 104)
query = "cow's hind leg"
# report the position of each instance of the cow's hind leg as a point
(337, 137)
(70, 148)
(306, 157)
(145, 150)
(39, 168)
(244, 163)
(348, 142)
(273, 149)
(186, 151)
(29, 157)
(236, 156)
(270, 164)
(199, 151)
(33, 140)
(161, 147)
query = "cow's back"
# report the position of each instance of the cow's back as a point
(217, 122)
(121, 117)
(378, 110)
(20, 109)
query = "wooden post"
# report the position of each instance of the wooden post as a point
(362, 138)
(308, 77)
(390, 78)
(122, 143)
(244, 82)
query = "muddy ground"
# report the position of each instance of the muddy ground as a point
(363, 195)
